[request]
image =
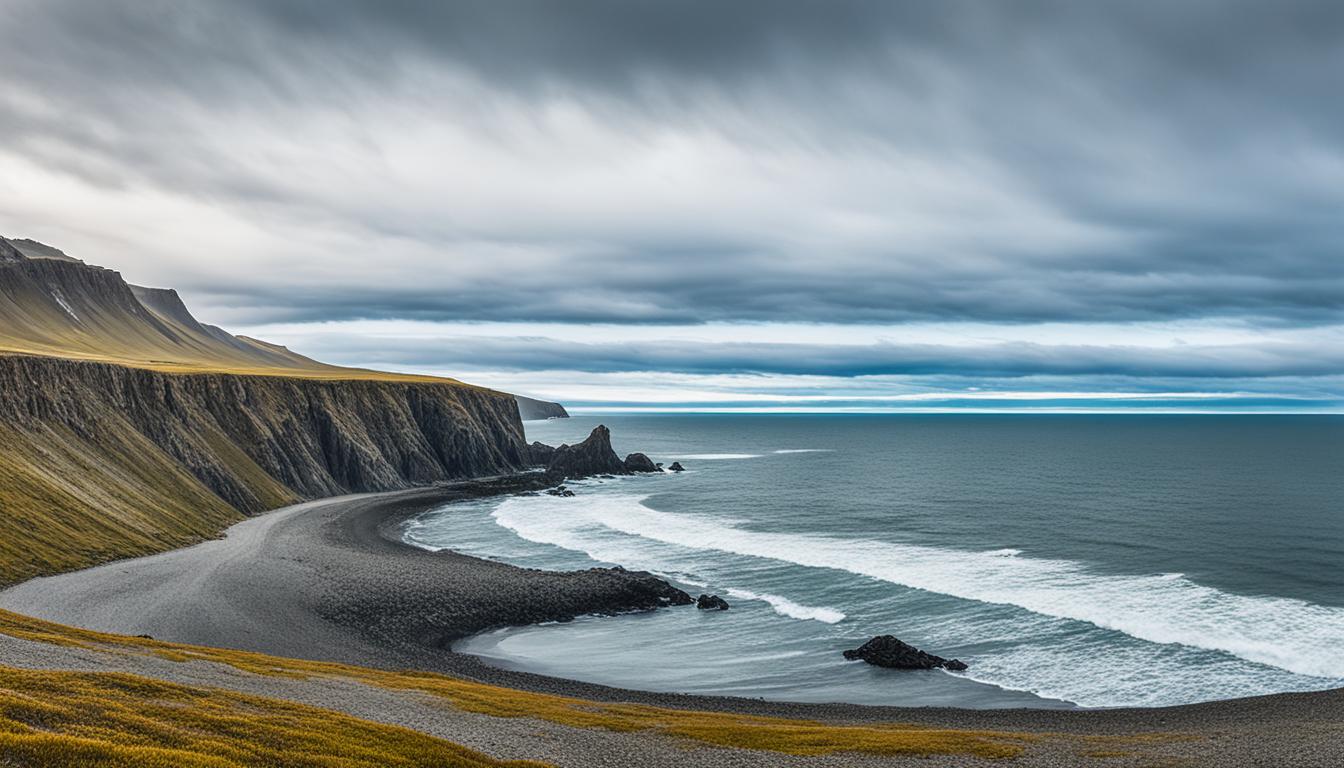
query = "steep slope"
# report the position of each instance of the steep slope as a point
(130, 427)
(62, 307)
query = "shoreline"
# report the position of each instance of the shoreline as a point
(330, 580)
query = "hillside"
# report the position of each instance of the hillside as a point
(130, 427)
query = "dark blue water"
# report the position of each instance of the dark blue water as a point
(1070, 560)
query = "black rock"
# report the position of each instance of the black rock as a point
(711, 603)
(638, 462)
(676, 467)
(540, 454)
(593, 456)
(560, 490)
(887, 651)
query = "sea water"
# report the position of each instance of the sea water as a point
(1069, 560)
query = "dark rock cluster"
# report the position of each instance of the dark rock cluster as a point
(594, 456)
(676, 467)
(711, 603)
(540, 454)
(638, 462)
(888, 651)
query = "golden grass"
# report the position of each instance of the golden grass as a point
(69, 501)
(796, 737)
(83, 720)
(188, 366)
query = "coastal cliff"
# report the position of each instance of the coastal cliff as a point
(128, 427)
(536, 410)
(105, 461)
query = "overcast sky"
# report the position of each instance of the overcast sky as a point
(863, 205)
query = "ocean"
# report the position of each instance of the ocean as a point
(1069, 560)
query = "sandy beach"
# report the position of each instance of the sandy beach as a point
(330, 580)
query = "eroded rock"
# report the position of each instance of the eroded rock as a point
(888, 651)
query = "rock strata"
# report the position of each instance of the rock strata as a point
(888, 651)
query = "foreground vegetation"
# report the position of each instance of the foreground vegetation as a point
(78, 720)
(796, 737)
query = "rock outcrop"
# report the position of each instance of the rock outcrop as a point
(676, 467)
(540, 454)
(711, 603)
(593, 456)
(888, 651)
(638, 462)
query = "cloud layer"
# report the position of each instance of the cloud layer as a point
(622, 163)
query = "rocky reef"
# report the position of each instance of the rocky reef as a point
(888, 651)
(711, 603)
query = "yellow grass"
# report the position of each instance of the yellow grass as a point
(317, 372)
(796, 737)
(70, 501)
(82, 720)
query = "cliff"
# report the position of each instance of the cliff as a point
(104, 461)
(129, 427)
(536, 410)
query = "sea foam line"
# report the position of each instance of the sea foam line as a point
(786, 607)
(1291, 634)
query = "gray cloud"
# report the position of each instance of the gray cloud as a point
(1007, 360)
(677, 162)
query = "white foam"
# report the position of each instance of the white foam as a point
(786, 607)
(1294, 635)
(718, 456)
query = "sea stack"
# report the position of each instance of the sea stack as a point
(593, 456)
(888, 651)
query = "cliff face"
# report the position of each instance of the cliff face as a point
(536, 410)
(314, 438)
(128, 427)
(113, 441)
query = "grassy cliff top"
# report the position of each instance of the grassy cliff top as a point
(52, 305)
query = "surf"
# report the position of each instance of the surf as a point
(1285, 633)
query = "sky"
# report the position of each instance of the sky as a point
(840, 205)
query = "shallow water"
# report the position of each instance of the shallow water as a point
(1069, 560)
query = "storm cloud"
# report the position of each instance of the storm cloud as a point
(664, 163)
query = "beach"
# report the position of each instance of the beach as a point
(331, 580)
